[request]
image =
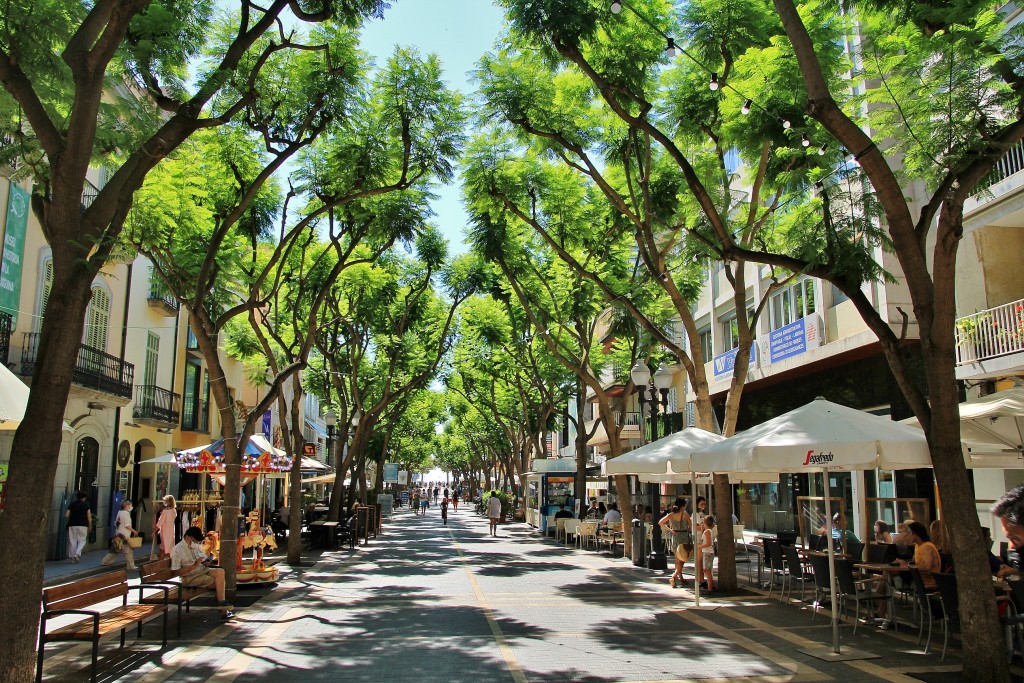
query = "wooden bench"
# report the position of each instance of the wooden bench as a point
(76, 597)
(159, 572)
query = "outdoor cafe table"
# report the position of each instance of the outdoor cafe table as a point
(888, 571)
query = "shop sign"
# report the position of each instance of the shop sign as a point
(794, 339)
(724, 364)
(309, 450)
(13, 251)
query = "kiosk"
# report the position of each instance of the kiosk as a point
(547, 487)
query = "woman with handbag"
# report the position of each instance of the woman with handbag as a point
(123, 533)
(676, 526)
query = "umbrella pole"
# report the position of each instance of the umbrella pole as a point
(696, 560)
(831, 563)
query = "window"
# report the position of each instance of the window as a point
(152, 354)
(705, 344)
(47, 286)
(190, 408)
(97, 318)
(730, 334)
(838, 296)
(793, 303)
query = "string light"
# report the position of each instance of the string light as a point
(671, 50)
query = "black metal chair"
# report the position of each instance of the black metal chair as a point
(822, 582)
(946, 585)
(851, 589)
(815, 541)
(855, 549)
(881, 553)
(773, 552)
(796, 573)
(929, 603)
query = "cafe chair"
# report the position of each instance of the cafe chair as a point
(549, 525)
(817, 542)
(851, 589)
(946, 583)
(882, 553)
(855, 550)
(776, 564)
(796, 573)
(586, 534)
(570, 528)
(741, 544)
(822, 586)
(929, 605)
(560, 527)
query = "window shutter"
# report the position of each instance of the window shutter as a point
(97, 320)
(47, 286)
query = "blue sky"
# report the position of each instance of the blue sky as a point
(459, 32)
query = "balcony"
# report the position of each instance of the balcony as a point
(156, 407)
(195, 416)
(161, 300)
(107, 377)
(990, 342)
(5, 336)
(1012, 162)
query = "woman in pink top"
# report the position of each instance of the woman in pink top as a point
(165, 526)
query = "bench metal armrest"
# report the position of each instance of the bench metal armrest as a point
(49, 614)
(153, 586)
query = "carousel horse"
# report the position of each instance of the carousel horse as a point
(258, 537)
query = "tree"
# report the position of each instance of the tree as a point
(59, 61)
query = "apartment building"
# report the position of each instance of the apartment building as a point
(141, 389)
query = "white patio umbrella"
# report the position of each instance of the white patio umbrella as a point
(820, 436)
(991, 429)
(13, 399)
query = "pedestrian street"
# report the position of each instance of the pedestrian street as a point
(425, 602)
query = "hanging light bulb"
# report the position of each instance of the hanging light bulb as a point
(714, 82)
(745, 109)
(616, 6)
(822, 149)
(670, 47)
(804, 141)
(786, 124)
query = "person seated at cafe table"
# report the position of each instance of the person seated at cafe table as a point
(926, 561)
(995, 563)
(881, 532)
(562, 513)
(593, 512)
(613, 516)
(839, 530)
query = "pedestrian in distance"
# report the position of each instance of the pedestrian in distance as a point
(164, 526)
(444, 510)
(706, 551)
(455, 501)
(416, 501)
(494, 511)
(437, 492)
(79, 516)
(123, 530)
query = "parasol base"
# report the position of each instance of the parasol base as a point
(828, 654)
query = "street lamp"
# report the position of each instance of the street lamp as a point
(330, 419)
(663, 382)
(641, 376)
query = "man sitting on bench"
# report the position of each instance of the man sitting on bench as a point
(189, 561)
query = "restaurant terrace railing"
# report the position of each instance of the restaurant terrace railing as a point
(990, 333)
(94, 369)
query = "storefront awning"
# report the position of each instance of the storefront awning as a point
(316, 428)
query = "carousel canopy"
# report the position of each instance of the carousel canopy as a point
(255, 460)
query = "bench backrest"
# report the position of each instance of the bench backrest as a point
(156, 571)
(86, 592)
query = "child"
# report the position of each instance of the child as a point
(707, 551)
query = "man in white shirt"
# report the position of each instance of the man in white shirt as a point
(189, 561)
(613, 516)
(494, 511)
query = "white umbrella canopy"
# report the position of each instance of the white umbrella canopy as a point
(13, 399)
(819, 434)
(654, 458)
(991, 429)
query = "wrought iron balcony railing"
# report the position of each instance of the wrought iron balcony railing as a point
(195, 416)
(155, 405)
(94, 369)
(161, 298)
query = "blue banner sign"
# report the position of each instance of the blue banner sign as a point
(725, 363)
(790, 340)
(391, 472)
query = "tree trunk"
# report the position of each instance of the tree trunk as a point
(33, 465)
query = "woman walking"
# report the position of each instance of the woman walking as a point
(676, 525)
(164, 526)
(123, 531)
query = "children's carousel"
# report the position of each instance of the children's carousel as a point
(261, 462)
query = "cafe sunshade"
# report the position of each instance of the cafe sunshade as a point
(819, 434)
(13, 399)
(991, 429)
(654, 458)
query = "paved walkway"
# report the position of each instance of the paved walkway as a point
(428, 603)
